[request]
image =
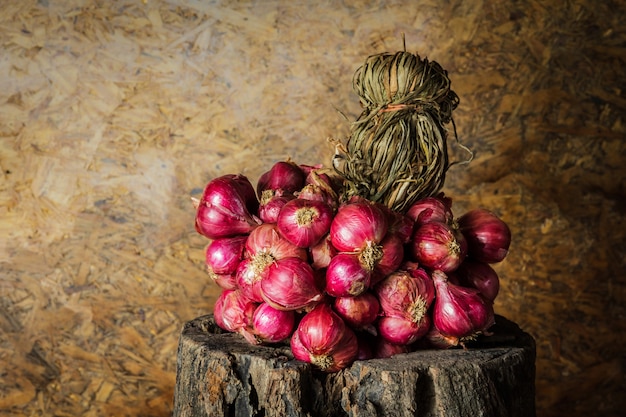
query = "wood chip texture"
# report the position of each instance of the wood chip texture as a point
(114, 113)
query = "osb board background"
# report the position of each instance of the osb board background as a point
(112, 114)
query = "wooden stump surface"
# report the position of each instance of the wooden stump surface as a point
(220, 374)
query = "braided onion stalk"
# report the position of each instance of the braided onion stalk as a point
(397, 152)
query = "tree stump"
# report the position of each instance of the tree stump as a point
(220, 374)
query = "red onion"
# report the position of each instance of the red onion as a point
(225, 281)
(460, 311)
(437, 245)
(226, 208)
(290, 285)
(248, 279)
(359, 311)
(488, 237)
(400, 331)
(479, 275)
(323, 340)
(223, 255)
(430, 209)
(267, 242)
(406, 294)
(264, 247)
(392, 255)
(283, 175)
(356, 225)
(233, 312)
(271, 204)
(304, 222)
(345, 276)
(321, 253)
(403, 227)
(272, 325)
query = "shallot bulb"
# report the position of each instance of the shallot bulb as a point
(358, 225)
(223, 255)
(290, 284)
(222, 259)
(323, 340)
(304, 222)
(437, 245)
(346, 276)
(460, 311)
(248, 279)
(488, 237)
(264, 247)
(266, 242)
(271, 325)
(360, 311)
(233, 312)
(400, 331)
(272, 203)
(430, 209)
(227, 208)
(225, 281)
(283, 175)
(406, 294)
(392, 255)
(479, 275)
(323, 185)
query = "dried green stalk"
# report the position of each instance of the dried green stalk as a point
(397, 150)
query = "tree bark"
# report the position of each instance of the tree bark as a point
(220, 374)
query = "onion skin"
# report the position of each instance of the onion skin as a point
(437, 245)
(290, 285)
(271, 325)
(345, 276)
(323, 339)
(304, 222)
(356, 225)
(460, 311)
(488, 237)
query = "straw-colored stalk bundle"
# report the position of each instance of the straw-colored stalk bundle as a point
(397, 149)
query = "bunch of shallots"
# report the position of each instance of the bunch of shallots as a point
(346, 279)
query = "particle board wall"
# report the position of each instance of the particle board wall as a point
(113, 114)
